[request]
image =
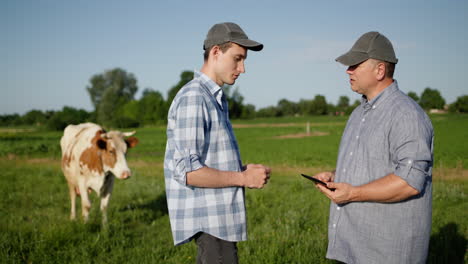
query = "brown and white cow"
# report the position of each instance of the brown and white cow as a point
(91, 158)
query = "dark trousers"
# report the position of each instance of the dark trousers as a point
(214, 250)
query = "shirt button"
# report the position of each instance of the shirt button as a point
(334, 225)
(410, 161)
(344, 170)
(357, 137)
(363, 120)
(351, 153)
(373, 107)
(338, 208)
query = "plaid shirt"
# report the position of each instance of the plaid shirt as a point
(389, 134)
(199, 134)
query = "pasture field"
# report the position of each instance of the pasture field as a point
(287, 220)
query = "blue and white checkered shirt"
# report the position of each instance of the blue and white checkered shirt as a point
(199, 134)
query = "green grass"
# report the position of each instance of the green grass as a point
(451, 140)
(287, 220)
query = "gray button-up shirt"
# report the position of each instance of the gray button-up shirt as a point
(389, 134)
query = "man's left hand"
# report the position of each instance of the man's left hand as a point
(343, 193)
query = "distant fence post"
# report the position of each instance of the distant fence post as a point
(308, 128)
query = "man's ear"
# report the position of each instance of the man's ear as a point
(215, 51)
(381, 69)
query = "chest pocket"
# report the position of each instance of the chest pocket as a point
(375, 142)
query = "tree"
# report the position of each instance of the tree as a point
(34, 117)
(431, 99)
(97, 88)
(413, 96)
(353, 106)
(287, 108)
(248, 112)
(270, 111)
(234, 100)
(109, 107)
(129, 115)
(333, 109)
(305, 106)
(153, 108)
(343, 104)
(69, 115)
(10, 120)
(319, 105)
(185, 77)
(109, 92)
(461, 105)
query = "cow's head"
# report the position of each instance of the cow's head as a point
(113, 146)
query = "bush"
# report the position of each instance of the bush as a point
(126, 122)
(67, 116)
(461, 105)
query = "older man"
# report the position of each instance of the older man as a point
(381, 207)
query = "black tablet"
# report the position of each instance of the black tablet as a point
(316, 181)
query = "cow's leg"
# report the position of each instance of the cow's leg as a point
(71, 190)
(104, 203)
(106, 192)
(85, 202)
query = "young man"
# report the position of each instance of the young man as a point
(203, 171)
(381, 207)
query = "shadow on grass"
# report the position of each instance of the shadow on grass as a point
(154, 209)
(158, 206)
(447, 246)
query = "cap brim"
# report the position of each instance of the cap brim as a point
(352, 58)
(249, 44)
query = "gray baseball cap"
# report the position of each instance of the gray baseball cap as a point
(229, 32)
(371, 45)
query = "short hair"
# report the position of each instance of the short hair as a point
(223, 47)
(389, 67)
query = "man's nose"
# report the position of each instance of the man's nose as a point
(241, 67)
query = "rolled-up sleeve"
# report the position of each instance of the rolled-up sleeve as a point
(189, 136)
(411, 138)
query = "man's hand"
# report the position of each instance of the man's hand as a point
(326, 176)
(255, 176)
(342, 194)
(388, 189)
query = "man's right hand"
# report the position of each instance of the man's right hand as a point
(256, 176)
(326, 176)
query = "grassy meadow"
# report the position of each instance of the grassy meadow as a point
(287, 220)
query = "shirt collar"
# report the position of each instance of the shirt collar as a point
(380, 97)
(212, 87)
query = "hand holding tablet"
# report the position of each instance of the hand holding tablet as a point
(317, 181)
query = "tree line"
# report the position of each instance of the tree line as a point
(112, 94)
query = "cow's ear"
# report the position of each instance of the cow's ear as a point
(102, 144)
(131, 142)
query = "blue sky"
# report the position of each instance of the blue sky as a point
(51, 48)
